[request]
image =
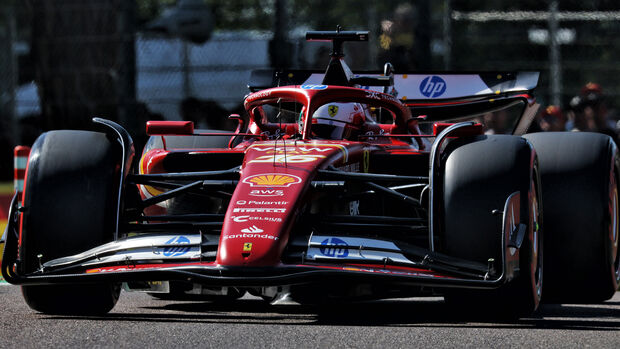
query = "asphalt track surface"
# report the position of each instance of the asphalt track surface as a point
(140, 321)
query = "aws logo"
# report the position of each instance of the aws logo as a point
(272, 180)
(267, 192)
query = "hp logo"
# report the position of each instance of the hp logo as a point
(432, 86)
(313, 87)
(334, 247)
(177, 248)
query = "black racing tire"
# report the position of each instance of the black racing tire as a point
(579, 174)
(480, 174)
(70, 201)
(85, 299)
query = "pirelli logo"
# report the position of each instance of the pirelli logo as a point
(259, 209)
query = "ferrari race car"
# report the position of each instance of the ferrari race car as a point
(334, 187)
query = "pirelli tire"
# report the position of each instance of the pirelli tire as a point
(579, 174)
(479, 174)
(70, 203)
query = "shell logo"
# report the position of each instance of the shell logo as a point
(272, 180)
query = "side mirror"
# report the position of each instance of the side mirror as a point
(473, 130)
(181, 128)
(240, 121)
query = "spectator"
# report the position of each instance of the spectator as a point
(580, 120)
(590, 111)
(552, 119)
(497, 122)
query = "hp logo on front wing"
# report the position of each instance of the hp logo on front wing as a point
(177, 246)
(334, 247)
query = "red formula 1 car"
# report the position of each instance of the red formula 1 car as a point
(334, 186)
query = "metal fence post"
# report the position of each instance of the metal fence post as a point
(555, 67)
(8, 74)
(126, 86)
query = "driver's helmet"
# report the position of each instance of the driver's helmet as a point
(338, 120)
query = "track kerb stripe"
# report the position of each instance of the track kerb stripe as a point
(20, 160)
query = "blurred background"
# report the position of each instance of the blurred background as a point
(64, 61)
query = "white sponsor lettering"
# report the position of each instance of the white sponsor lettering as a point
(267, 192)
(373, 94)
(251, 235)
(259, 95)
(261, 209)
(300, 158)
(252, 229)
(241, 219)
(301, 149)
(254, 202)
(377, 95)
(291, 150)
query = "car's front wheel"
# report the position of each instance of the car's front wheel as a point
(70, 204)
(480, 174)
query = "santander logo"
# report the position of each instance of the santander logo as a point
(252, 229)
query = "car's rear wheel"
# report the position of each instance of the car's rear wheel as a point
(70, 202)
(480, 174)
(579, 174)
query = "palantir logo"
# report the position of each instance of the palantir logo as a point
(178, 247)
(433, 86)
(334, 247)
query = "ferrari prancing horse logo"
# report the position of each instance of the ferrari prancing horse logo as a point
(332, 110)
(247, 247)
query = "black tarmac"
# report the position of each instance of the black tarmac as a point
(140, 321)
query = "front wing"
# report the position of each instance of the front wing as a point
(168, 257)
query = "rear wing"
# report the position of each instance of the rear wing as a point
(417, 87)
(437, 96)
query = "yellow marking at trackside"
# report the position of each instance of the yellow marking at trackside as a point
(2, 227)
(6, 188)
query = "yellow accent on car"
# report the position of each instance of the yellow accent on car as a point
(272, 180)
(151, 190)
(332, 110)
